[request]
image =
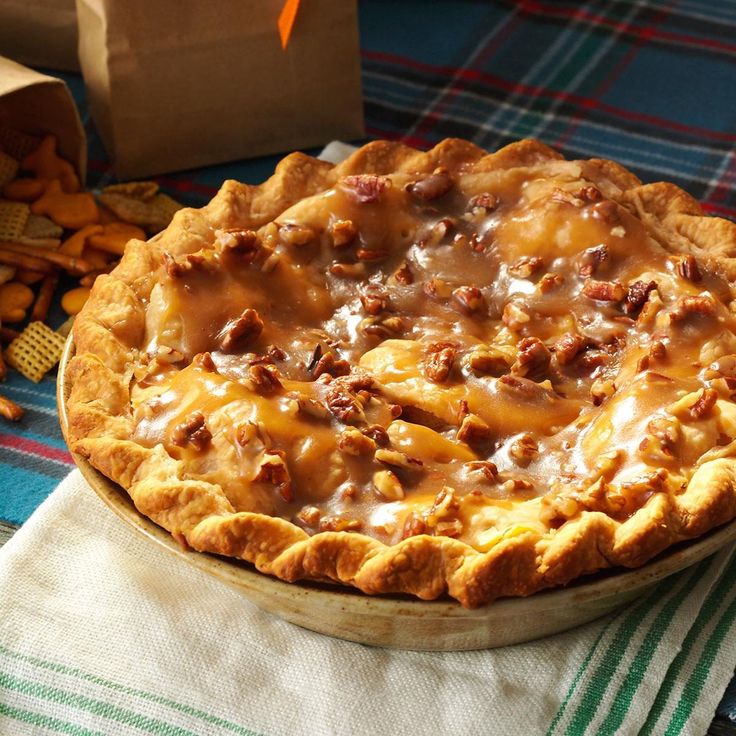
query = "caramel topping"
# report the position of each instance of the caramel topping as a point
(453, 354)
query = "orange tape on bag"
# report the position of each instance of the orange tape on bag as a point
(286, 20)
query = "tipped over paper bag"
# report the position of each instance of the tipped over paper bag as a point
(36, 104)
(175, 85)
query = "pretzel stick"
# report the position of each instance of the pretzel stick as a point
(75, 266)
(43, 300)
(29, 262)
(7, 334)
(10, 410)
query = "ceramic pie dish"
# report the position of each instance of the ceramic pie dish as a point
(440, 373)
(400, 622)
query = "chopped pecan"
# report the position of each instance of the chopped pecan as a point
(343, 404)
(403, 274)
(522, 386)
(327, 363)
(366, 188)
(353, 442)
(485, 201)
(568, 346)
(309, 515)
(704, 403)
(485, 467)
(174, 269)
(371, 254)
(272, 469)
(468, 298)
(688, 268)
(437, 289)
(388, 485)
(383, 328)
(533, 358)
(592, 359)
(192, 431)
(397, 459)
(348, 270)
(205, 362)
(488, 360)
(661, 440)
(241, 331)
(342, 232)
(374, 298)
(591, 259)
(601, 389)
(658, 349)
(604, 291)
(437, 233)
(525, 266)
(449, 528)
(692, 305)
(637, 295)
(523, 449)
(239, 242)
(438, 183)
(296, 235)
(378, 434)
(515, 315)
(550, 281)
(562, 195)
(606, 211)
(589, 194)
(473, 430)
(311, 407)
(445, 504)
(265, 378)
(440, 359)
(340, 524)
(414, 525)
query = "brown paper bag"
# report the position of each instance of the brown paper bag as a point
(177, 84)
(37, 104)
(40, 33)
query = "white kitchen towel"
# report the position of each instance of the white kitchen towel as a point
(103, 632)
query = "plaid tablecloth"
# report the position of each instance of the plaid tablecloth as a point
(650, 84)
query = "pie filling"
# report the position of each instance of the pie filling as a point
(466, 355)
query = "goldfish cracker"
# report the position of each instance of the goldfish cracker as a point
(74, 244)
(15, 298)
(73, 301)
(45, 163)
(115, 237)
(24, 190)
(72, 211)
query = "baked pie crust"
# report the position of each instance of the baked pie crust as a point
(421, 372)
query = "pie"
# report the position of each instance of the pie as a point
(442, 372)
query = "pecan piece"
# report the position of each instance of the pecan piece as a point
(238, 242)
(606, 211)
(342, 232)
(604, 291)
(440, 360)
(205, 362)
(343, 404)
(523, 450)
(550, 281)
(371, 254)
(327, 363)
(437, 233)
(353, 442)
(688, 268)
(473, 430)
(241, 331)
(637, 295)
(397, 459)
(374, 298)
(468, 298)
(515, 316)
(591, 259)
(489, 361)
(388, 485)
(568, 346)
(525, 266)
(692, 305)
(272, 469)
(601, 389)
(403, 274)
(438, 183)
(348, 270)
(532, 359)
(378, 434)
(339, 524)
(192, 431)
(265, 378)
(174, 269)
(589, 194)
(414, 525)
(297, 235)
(704, 403)
(485, 467)
(365, 188)
(485, 201)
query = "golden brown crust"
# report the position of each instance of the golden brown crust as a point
(109, 334)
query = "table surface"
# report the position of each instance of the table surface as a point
(651, 84)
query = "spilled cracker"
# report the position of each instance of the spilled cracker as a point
(39, 226)
(13, 219)
(35, 351)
